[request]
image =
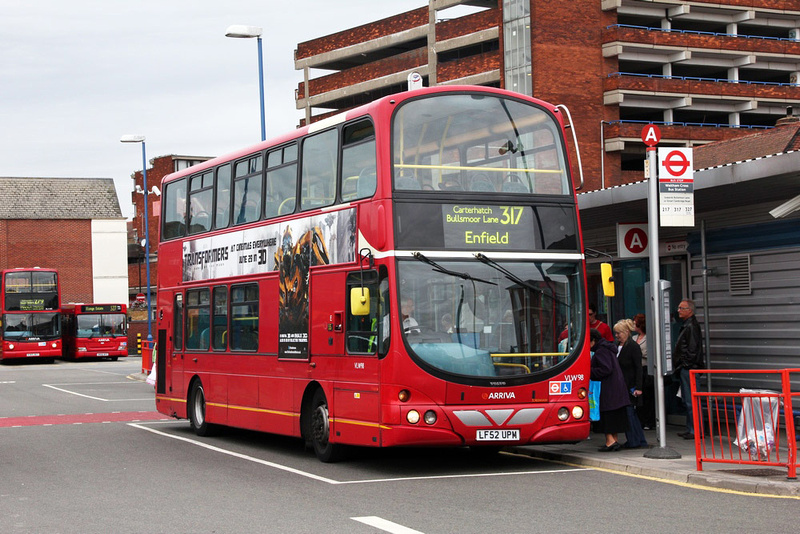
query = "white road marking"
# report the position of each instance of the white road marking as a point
(341, 482)
(54, 386)
(385, 525)
(237, 455)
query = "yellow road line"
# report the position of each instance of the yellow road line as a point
(664, 480)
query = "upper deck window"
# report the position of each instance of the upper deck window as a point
(247, 190)
(201, 191)
(174, 209)
(320, 155)
(359, 178)
(480, 143)
(223, 191)
(31, 291)
(281, 193)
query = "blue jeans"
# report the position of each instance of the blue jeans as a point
(686, 396)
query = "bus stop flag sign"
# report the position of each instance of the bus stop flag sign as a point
(675, 186)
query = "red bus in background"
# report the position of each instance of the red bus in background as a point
(398, 274)
(95, 331)
(30, 300)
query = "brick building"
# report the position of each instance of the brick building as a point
(704, 70)
(73, 225)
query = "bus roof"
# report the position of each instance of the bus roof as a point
(389, 100)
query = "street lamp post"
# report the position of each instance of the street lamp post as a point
(240, 31)
(140, 139)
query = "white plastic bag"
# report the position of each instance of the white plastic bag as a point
(151, 378)
(757, 424)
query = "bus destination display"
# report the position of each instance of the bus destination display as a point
(473, 226)
(101, 308)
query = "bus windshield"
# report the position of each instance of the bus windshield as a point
(478, 142)
(31, 326)
(106, 324)
(488, 319)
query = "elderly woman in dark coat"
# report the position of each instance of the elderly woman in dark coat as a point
(630, 361)
(614, 397)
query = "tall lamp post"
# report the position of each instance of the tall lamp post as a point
(140, 139)
(240, 31)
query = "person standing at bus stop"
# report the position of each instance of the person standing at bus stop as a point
(599, 325)
(614, 397)
(688, 355)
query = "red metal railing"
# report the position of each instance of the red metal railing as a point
(745, 427)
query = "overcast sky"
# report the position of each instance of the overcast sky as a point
(76, 75)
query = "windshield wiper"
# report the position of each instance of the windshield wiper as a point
(516, 279)
(439, 269)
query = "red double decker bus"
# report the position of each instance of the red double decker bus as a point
(31, 308)
(399, 274)
(95, 331)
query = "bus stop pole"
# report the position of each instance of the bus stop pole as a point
(656, 307)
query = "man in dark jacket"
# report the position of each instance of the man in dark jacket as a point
(688, 355)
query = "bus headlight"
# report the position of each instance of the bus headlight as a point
(577, 412)
(430, 417)
(412, 417)
(563, 414)
(81, 349)
(10, 346)
(54, 345)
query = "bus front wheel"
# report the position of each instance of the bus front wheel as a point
(197, 411)
(321, 430)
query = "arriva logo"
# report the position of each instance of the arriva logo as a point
(499, 395)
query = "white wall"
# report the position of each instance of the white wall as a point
(110, 261)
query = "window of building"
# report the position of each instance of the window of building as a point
(517, 44)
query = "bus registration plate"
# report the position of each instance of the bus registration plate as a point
(102, 354)
(498, 435)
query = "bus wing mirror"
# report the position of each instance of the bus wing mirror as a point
(359, 301)
(607, 274)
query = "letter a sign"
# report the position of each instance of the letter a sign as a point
(632, 240)
(651, 135)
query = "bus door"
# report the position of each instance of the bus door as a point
(327, 309)
(173, 360)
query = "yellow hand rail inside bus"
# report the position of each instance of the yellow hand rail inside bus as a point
(485, 169)
(500, 364)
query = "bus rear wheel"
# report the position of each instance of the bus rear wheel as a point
(197, 411)
(321, 430)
